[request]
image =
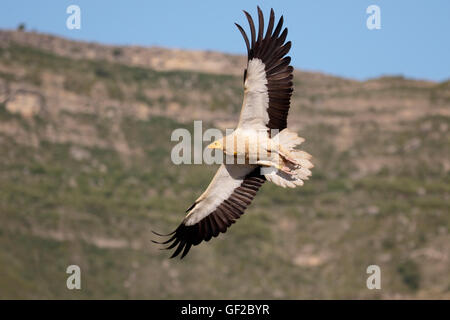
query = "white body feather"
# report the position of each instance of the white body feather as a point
(227, 178)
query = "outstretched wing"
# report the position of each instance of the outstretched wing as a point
(268, 77)
(268, 89)
(225, 200)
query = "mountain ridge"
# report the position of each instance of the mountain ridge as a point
(209, 61)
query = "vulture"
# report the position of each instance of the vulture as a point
(260, 148)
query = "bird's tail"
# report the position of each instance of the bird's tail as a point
(293, 165)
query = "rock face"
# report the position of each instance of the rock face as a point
(27, 104)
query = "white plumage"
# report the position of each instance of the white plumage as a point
(225, 181)
(261, 147)
(256, 100)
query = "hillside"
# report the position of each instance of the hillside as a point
(85, 174)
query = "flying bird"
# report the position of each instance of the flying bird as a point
(261, 140)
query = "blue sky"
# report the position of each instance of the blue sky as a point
(329, 36)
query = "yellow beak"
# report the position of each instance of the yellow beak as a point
(214, 145)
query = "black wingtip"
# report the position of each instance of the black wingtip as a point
(180, 247)
(186, 250)
(163, 235)
(244, 35)
(164, 242)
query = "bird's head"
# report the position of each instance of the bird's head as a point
(216, 145)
